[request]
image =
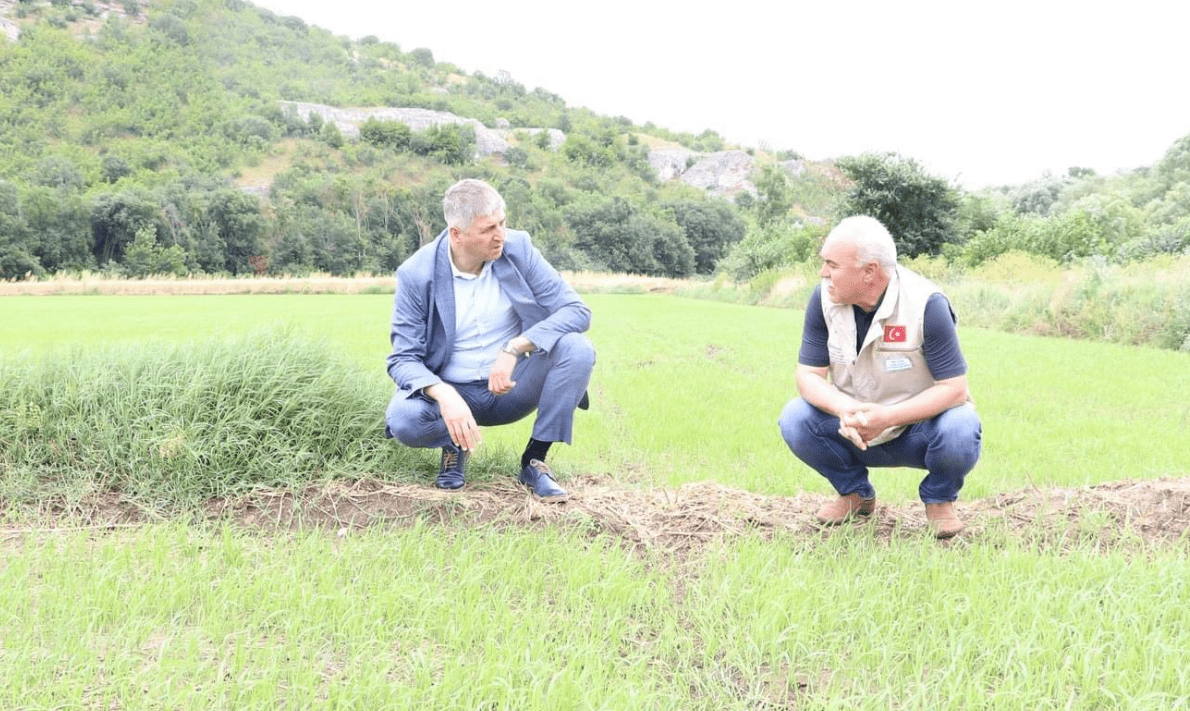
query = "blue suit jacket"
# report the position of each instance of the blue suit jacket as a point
(423, 324)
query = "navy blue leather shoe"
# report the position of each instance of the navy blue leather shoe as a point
(453, 469)
(540, 480)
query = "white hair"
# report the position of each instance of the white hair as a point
(468, 199)
(871, 238)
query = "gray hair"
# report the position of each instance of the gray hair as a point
(468, 199)
(871, 238)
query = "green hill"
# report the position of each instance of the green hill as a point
(213, 136)
(177, 136)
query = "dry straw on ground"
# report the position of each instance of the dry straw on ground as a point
(588, 282)
(685, 519)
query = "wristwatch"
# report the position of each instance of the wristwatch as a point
(510, 349)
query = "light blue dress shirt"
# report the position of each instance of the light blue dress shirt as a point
(484, 321)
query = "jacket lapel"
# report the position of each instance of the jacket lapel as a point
(444, 304)
(514, 286)
(892, 294)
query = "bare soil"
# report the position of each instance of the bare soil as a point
(1122, 514)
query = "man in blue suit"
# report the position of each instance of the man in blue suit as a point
(484, 332)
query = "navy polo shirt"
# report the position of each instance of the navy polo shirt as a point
(940, 344)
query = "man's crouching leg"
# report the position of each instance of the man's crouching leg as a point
(813, 436)
(558, 381)
(955, 441)
(565, 373)
(416, 421)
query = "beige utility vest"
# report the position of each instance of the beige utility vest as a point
(891, 365)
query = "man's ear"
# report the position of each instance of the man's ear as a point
(452, 232)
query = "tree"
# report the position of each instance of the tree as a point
(422, 56)
(386, 134)
(1174, 166)
(919, 210)
(517, 156)
(452, 143)
(58, 172)
(583, 152)
(173, 28)
(1037, 197)
(774, 197)
(115, 220)
(615, 234)
(15, 259)
(144, 257)
(711, 228)
(114, 168)
(769, 247)
(240, 224)
(331, 135)
(59, 227)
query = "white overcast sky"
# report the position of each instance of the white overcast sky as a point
(980, 93)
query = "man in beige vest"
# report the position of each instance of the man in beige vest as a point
(882, 380)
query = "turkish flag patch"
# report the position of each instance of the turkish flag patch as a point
(894, 334)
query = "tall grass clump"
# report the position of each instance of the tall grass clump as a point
(173, 424)
(1144, 303)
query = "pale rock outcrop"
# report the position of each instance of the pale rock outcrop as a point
(348, 120)
(722, 173)
(557, 138)
(669, 163)
(793, 167)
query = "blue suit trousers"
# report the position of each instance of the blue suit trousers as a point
(551, 383)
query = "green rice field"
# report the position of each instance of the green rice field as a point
(523, 609)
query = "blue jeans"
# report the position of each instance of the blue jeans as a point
(947, 447)
(551, 383)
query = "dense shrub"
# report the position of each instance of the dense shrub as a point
(771, 247)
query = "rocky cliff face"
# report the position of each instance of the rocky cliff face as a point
(349, 120)
(722, 173)
(487, 140)
(10, 24)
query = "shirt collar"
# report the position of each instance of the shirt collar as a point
(458, 273)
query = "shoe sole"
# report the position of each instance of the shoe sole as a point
(862, 510)
(943, 535)
(845, 519)
(550, 499)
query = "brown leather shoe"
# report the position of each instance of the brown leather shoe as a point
(844, 508)
(942, 520)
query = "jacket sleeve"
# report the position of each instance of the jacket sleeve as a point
(562, 310)
(412, 311)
